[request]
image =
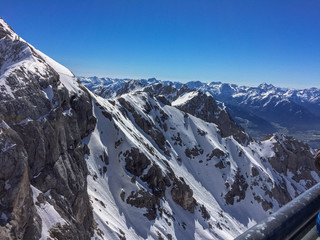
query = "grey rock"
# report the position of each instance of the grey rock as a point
(136, 161)
(210, 112)
(48, 152)
(182, 194)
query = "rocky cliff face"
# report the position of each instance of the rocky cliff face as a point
(43, 120)
(204, 107)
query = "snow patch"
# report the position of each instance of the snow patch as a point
(25, 121)
(67, 112)
(315, 176)
(184, 98)
(49, 216)
(48, 92)
(4, 125)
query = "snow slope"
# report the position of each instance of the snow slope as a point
(211, 179)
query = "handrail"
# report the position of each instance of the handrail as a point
(288, 220)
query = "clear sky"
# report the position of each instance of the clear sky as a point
(244, 42)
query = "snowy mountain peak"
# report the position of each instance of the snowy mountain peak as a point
(22, 65)
(266, 86)
(6, 31)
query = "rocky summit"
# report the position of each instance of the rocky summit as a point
(144, 160)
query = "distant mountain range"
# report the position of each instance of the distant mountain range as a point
(260, 110)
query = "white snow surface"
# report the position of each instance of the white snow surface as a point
(184, 98)
(48, 92)
(207, 181)
(49, 216)
(66, 76)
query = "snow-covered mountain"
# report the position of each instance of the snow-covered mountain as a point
(151, 161)
(181, 177)
(259, 110)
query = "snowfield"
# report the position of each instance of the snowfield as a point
(208, 182)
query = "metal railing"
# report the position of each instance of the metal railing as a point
(292, 221)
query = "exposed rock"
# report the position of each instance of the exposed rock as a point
(201, 132)
(164, 100)
(159, 236)
(122, 195)
(156, 181)
(204, 212)
(118, 143)
(291, 156)
(265, 204)
(238, 189)
(147, 126)
(136, 161)
(177, 139)
(317, 160)
(182, 194)
(143, 199)
(86, 149)
(129, 87)
(15, 192)
(216, 153)
(220, 164)
(195, 151)
(104, 158)
(107, 114)
(254, 172)
(204, 107)
(48, 151)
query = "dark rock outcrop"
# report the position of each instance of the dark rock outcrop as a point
(317, 161)
(291, 156)
(15, 192)
(144, 199)
(156, 181)
(136, 161)
(205, 108)
(238, 189)
(182, 194)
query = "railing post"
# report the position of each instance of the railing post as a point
(289, 219)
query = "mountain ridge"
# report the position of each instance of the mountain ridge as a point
(260, 110)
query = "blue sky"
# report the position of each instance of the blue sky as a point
(243, 42)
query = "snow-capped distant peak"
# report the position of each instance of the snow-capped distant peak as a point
(184, 98)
